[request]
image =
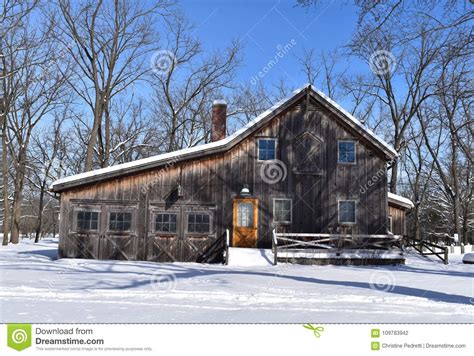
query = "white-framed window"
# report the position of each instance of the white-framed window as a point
(282, 210)
(166, 222)
(198, 223)
(347, 211)
(266, 149)
(346, 152)
(390, 224)
(87, 220)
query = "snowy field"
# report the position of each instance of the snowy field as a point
(35, 287)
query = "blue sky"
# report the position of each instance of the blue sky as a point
(266, 25)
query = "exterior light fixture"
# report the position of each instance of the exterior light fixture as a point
(245, 191)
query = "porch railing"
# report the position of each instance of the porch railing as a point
(314, 243)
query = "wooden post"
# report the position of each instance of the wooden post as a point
(227, 244)
(274, 248)
(446, 254)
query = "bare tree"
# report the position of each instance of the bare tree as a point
(134, 133)
(450, 115)
(33, 94)
(46, 156)
(109, 42)
(12, 14)
(321, 70)
(188, 82)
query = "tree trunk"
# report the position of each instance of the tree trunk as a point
(456, 190)
(394, 177)
(6, 203)
(107, 137)
(16, 216)
(93, 136)
(417, 223)
(40, 215)
(17, 195)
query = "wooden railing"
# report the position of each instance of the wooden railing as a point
(331, 242)
(439, 251)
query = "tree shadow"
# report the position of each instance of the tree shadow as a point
(148, 272)
(52, 254)
(187, 273)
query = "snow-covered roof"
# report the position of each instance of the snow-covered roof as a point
(221, 145)
(399, 200)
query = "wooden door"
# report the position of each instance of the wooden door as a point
(181, 233)
(119, 238)
(245, 222)
(164, 231)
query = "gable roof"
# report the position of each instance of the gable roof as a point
(224, 144)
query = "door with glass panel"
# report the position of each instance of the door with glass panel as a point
(245, 222)
(118, 240)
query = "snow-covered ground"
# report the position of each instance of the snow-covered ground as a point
(35, 287)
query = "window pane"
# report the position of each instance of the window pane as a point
(266, 149)
(347, 213)
(282, 210)
(199, 223)
(165, 222)
(87, 220)
(120, 221)
(346, 152)
(245, 214)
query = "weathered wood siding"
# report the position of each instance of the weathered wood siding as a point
(314, 183)
(397, 215)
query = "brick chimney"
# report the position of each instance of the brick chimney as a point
(219, 118)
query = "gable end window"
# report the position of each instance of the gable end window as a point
(346, 152)
(199, 223)
(347, 211)
(282, 211)
(266, 149)
(87, 220)
(120, 221)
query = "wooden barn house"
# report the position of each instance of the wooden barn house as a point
(305, 166)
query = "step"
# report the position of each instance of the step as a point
(243, 257)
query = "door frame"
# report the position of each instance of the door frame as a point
(235, 204)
